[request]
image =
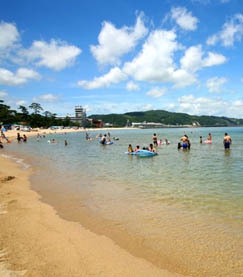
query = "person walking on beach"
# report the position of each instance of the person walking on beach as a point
(227, 141)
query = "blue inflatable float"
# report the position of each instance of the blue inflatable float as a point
(143, 153)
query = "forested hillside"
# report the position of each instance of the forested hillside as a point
(167, 118)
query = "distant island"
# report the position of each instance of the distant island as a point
(162, 119)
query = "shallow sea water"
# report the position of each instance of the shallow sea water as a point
(181, 210)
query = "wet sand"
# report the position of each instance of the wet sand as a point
(35, 241)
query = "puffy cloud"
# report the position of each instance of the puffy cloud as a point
(231, 31)
(113, 42)
(21, 76)
(155, 62)
(202, 105)
(48, 97)
(156, 92)
(56, 55)
(214, 84)
(183, 78)
(184, 18)
(115, 75)
(194, 59)
(131, 86)
(9, 35)
(214, 59)
(209, 106)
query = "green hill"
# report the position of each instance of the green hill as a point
(166, 118)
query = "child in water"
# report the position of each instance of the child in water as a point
(129, 149)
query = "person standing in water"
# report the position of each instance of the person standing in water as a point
(227, 141)
(155, 140)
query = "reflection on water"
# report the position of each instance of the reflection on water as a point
(180, 208)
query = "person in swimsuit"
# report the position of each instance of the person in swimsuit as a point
(227, 141)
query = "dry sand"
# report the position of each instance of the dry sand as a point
(35, 241)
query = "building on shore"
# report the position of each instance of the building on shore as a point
(79, 117)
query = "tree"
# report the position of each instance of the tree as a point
(23, 110)
(6, 114)
(36, 107)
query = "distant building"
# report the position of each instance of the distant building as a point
(80, 116)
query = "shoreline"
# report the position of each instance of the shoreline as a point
(35, 241)
(12, 134)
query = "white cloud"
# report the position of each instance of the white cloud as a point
(202, 105)
(214, 59)
(194, 59)
(22, 75)
(113, 42)
(48, 97)
(231, 32)
(183, 78)
(155, 62)
(21, 103)
(56, 55)
(3, 94)
(114, 76)
(131, 86)
(215, 84)
(210, 106)
(184, 18)
(156, 92)
(9, 35)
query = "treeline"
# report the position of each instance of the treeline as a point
(37, 118)
(167, 118)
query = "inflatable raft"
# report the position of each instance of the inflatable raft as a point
(106, 143)
(142, 153)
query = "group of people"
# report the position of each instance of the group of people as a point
(185, 142)
(150, 148)
(20, 139)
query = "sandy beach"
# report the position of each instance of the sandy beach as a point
(35, 241)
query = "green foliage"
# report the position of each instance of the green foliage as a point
(8, 116)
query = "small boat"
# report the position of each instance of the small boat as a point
(143, 153)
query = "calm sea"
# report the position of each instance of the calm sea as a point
(181, 210)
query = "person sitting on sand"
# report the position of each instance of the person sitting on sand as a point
(129, 149)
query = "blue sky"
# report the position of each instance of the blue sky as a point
(117, 56)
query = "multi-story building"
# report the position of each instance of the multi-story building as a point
(80, 116)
